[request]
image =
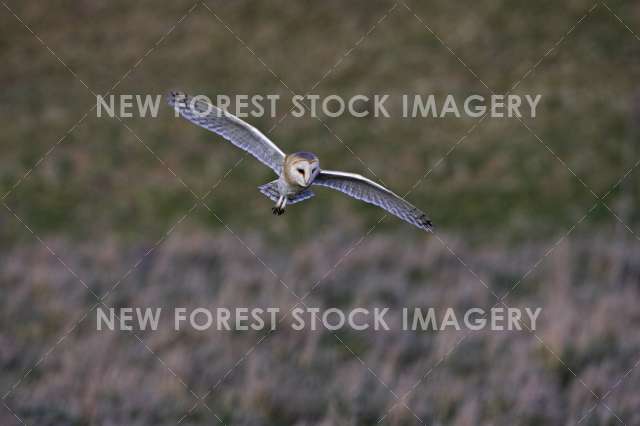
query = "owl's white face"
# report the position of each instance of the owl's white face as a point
(303, 172)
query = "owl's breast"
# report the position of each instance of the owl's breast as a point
(286, 186)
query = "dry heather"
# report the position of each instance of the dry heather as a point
(586, 287)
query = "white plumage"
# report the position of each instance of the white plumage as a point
(296, 172)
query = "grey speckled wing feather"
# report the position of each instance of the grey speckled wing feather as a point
(363, 189)
(241, 134)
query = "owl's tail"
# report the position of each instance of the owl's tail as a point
(270, 190)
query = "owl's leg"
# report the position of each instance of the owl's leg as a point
(280, 205)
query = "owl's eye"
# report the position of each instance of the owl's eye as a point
(301, 171)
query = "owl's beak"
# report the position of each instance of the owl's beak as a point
(307, 177)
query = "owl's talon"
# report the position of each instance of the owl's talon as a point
(277, 211)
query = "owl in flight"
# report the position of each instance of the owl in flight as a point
(296, 172)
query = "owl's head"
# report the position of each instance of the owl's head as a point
(302, 168)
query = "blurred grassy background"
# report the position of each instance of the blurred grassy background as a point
(500, 181)
(501, 199)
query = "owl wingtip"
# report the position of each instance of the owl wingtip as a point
(426, 224)
(175, 95)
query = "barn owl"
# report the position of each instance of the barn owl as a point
(296, 172)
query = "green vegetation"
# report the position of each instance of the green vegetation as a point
(499, 182)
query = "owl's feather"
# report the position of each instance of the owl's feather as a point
(366, 190)
(271, 191)
(241, 134)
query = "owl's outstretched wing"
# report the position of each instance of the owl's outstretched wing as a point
(241, 134)
(361, 188)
